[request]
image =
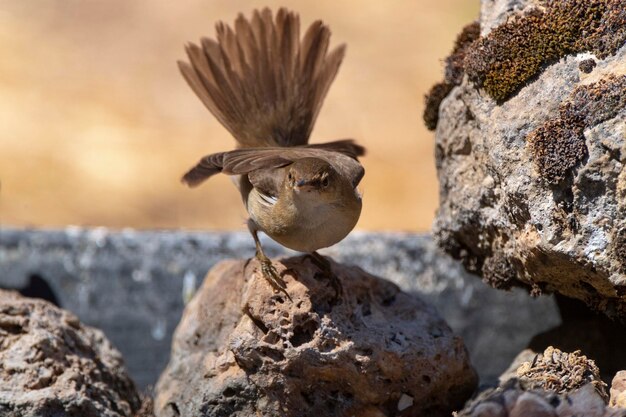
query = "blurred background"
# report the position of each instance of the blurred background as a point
(97, 125)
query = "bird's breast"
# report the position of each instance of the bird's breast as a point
(304, 227)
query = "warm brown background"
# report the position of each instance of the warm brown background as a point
(97, 125)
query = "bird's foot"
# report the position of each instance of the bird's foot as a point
(272, 276)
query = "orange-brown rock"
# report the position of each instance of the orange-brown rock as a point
(52, 365)
(241, 349)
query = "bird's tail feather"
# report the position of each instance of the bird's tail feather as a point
(261, 80)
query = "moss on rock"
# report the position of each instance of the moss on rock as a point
(453, 74)
(558, 145)
(560, 372)
(518, 50)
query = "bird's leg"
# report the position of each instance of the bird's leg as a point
(324, 265)
(267, 268)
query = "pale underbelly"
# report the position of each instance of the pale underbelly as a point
(309, 232)
(304, 238)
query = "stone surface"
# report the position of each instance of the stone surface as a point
(531, 150)
(561, 372)
(242, 349)
(552, 384)
(618, 390)
(132, 285)
(604, 339)
(511, 400)
(52, 365)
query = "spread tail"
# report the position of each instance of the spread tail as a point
(260, 80)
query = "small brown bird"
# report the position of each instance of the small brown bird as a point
(266, 86)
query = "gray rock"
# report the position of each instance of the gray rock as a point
(133, 284)
(244, 349)
(533, 187)
(510, 400)
(52, 365)
(618, 390)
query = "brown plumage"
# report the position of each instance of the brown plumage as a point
(266, 85)
(263, 83)
(342, 154)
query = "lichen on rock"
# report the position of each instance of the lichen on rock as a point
(512, 400)
(516, 51)
(559, 145)
(560, 372)
(532, 184)
(453, 74)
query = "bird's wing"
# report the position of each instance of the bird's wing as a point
(261, 80)
(268, 182)
(342, 155)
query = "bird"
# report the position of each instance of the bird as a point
(266, 84)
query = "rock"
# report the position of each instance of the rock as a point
(147, 407)
(52, 365)
(586, 402)
(512, 400)
(550, 384)
(618, 390)
(604, 340)
(132, 285)
(560, 372)
(489, 409)
(529, 404)
(243, 350)
(531, 147)
(526, 355)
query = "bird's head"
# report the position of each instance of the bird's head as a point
(314, 178)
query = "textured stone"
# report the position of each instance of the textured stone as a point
(532, 183)
(518, 402)
(604, 339)
(241, 349)
(489, 409)
(560, 372)
(52, 365)
(618, 390)
(132, 285)
(587, 402)
(529, 404)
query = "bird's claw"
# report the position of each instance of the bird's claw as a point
(271, 275)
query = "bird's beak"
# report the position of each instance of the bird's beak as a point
(303, 185)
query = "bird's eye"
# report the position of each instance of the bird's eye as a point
(325, 182)
(290, 176)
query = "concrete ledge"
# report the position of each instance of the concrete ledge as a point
(132, 285)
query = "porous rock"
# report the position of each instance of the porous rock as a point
(560, 372)
(604, 339)
(549, 384)
(531, 147)
(512, 400)
(618, 390)
(52, 365)
(242, 349)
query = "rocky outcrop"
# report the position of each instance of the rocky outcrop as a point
(548, 384)
(241, 349)
(618, 390)
(52, 365)
(511, 400)
(531, 147)
(560, 372)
